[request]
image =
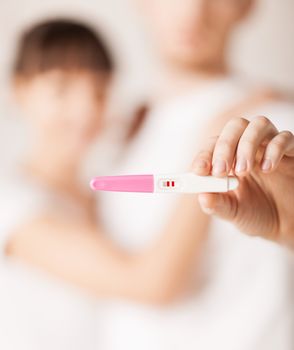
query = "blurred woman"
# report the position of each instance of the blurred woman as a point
(55, 256)
(239, 296)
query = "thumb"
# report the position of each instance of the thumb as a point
(222, 205)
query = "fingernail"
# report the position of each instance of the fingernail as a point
(219, 167)
(201, 164)
(204, 208)
(266, 165)
(241, 165)
(207, 211)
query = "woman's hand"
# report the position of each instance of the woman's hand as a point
(263, 159)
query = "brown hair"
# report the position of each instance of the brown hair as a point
(64, 44)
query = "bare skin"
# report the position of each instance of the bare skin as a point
(263, 159)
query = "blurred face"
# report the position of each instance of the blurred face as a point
(64, 107)
(193, 32)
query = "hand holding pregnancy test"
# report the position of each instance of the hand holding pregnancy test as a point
(260, 202)
(263, 159)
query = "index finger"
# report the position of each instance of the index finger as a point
(203, 162)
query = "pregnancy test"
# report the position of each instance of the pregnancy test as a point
(170, 183)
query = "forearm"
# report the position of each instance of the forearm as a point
(80, 255)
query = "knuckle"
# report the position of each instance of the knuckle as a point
(262, 121)
(287, 135)
(243, 121)
(238, 122)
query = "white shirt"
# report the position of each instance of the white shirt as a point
(36, 311)
(246, 301)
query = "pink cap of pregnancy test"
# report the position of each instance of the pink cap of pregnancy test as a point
(127, 183)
